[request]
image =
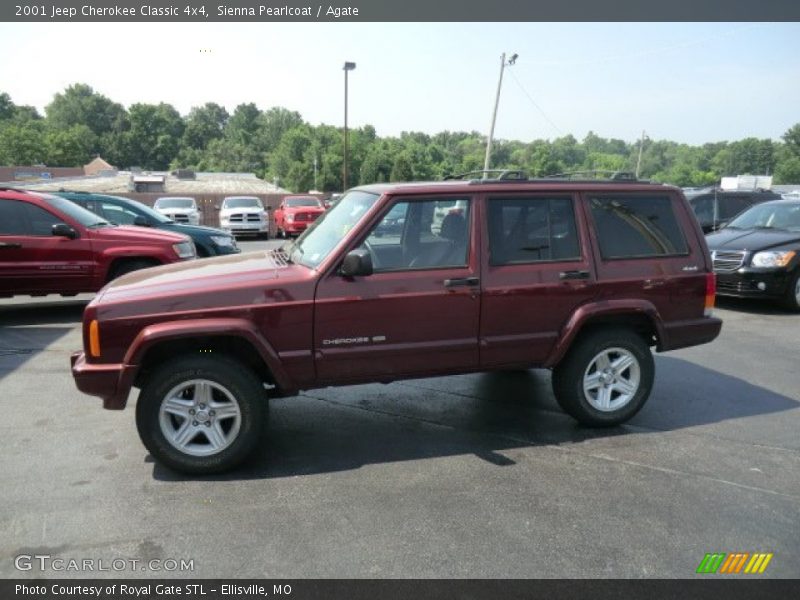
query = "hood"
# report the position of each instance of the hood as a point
(750, 239)
(295, 209)
(132, 234)
(178, 285)
(177, 211)
(245, 210)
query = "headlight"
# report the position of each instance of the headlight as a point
(223, 241)
(290, 218)
(184, 249)
(772, 258)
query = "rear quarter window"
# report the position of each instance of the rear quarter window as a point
(637, 226)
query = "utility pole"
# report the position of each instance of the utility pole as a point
(511, 61)
(348, 66)
(639, 160)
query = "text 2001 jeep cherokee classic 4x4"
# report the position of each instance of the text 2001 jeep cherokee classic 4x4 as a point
(582, 277)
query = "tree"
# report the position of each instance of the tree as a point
(79, 104)
(70, 147)
(204, 123)
(21, 143)
(792, 139)
(154, 136)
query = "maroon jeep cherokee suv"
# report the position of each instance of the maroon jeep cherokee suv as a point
(582, 277)
(48, 245)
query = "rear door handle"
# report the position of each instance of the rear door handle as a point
(466, 281)
(573, 275)
(10, 245)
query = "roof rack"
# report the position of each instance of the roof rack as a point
(501, 175)
(615, 176)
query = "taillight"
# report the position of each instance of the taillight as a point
(711, 294)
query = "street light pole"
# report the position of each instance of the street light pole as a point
(348, 66)
(511, 61)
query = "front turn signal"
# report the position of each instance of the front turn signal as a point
(94, 339)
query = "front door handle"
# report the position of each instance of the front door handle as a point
(10, 245)
(466, 281)
(573, 275)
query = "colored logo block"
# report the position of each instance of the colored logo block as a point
(734, 563)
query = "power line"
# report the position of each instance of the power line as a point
(539, 108)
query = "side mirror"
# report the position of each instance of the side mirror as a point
(64, 230)
(356, 263)
(141, 221)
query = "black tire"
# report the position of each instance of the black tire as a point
(568, 377)
(790, 298)
(229, 375)
(128, 266)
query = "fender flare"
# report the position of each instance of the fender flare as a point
(157, 333)
(603, 308)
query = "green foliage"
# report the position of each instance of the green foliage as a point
(279, 144)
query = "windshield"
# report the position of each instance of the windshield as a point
(242, 203)
(321, 238)
(770, 216)
(175, 203)
(82, 215)
(302, 202)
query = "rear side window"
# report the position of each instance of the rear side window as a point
(537, 229)
(12, 218)
(637, 226)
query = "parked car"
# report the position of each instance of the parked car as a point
(179, 209)
(714, 207)
(244, 215)
(124, 211)
(583, 278)
(48, 245)
(757, 255)
(296, 213)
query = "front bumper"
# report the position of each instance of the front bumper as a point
(111, 382)
(747, 282)
(246, 227)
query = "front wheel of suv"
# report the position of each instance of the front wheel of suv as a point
(201, 415)
(606, 378)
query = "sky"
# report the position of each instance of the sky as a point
(687, 82)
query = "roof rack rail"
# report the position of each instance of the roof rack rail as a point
(597, 174)
(483, 175)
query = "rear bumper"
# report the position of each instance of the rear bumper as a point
(682, 334)
(744, 283)
(111, 382)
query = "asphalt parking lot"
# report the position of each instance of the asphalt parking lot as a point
(469, 476)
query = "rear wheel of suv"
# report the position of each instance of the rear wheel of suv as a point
(606, 377)
(201, 415)
(792, 298)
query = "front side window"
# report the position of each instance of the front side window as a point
(637, 226)
(421, 234)
(535, 229)
(40, 221)
(730, 207)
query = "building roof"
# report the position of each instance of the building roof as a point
(205, 183)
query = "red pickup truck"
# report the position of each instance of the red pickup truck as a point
(296, 213)
(581, 277)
